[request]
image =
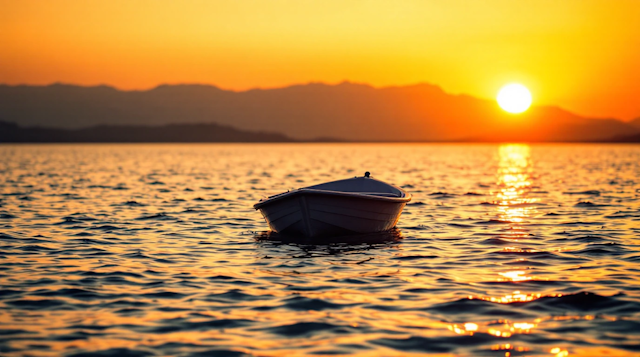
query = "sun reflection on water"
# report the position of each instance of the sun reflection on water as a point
(506, 329)
(559, 352)
(515, 179)
(514, 183)
(515, 276)
(517, 296)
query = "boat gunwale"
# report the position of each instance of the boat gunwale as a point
(368, 196)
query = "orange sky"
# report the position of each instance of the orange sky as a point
(582, 55)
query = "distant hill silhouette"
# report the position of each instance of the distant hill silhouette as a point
(348, 111)
(12, 133)
(635, 138)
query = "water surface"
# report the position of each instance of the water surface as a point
(155, 250)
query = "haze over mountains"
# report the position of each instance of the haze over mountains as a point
(346, 111)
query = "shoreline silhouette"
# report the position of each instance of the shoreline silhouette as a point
(202, 133)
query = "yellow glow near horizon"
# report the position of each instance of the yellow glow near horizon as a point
(514, 98)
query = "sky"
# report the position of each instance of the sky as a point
(581, 55)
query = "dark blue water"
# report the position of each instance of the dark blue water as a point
(155, 250)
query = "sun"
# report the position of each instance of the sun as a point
(514, 98)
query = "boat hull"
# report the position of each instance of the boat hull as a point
(317, 214)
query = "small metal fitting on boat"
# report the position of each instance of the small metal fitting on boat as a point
(367, 174)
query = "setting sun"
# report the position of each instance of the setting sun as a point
(514, 98)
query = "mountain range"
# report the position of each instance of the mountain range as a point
(346, 111)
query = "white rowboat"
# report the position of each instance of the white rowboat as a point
(352, 206)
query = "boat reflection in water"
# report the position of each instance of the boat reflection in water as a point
(334, 244)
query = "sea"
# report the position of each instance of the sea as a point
(156, 250)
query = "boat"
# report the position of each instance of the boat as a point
(356, 205)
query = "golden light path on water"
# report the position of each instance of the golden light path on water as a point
(514, 182)
(505, 250)
(513, 206)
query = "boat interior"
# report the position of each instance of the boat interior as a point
(363, 185)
